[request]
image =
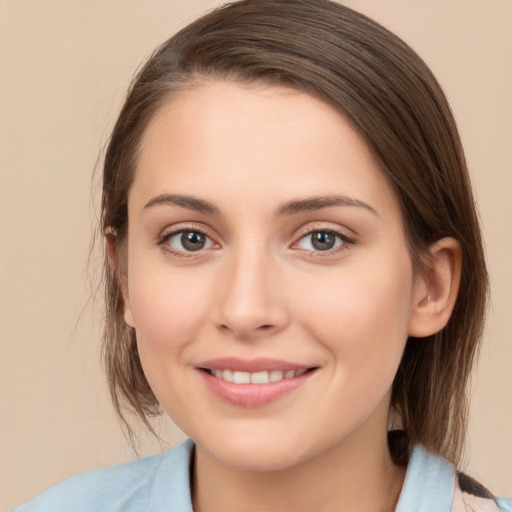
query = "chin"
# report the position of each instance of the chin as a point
(254, 453)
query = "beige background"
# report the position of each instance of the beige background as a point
(64, 68)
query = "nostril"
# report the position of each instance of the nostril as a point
(248, 330)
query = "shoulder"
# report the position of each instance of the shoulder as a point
(128, 487)
(432, 483)
(95, 488)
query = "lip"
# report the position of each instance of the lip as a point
(250, 365)
(252, 395)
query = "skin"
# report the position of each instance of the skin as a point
(259, 288)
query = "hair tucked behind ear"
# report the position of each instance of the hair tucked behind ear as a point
(392, 99)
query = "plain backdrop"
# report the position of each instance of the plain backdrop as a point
(64, 68)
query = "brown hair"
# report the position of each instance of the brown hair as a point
(393, 100)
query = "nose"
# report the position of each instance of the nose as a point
(251, 301)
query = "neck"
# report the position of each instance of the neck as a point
(355, 475)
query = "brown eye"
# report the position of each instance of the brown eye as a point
(322, 241)
(192, 240)
(189, 241)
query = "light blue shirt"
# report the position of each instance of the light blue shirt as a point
(161, 483)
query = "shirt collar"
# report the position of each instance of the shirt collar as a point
(429, 483)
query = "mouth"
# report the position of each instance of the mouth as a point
(259, 377)
(256, 382)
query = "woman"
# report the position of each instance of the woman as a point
(294, 265)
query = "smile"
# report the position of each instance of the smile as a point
(253, 383)
(260, 377)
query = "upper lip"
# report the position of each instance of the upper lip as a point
(250, 365)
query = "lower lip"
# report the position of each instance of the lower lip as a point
(253, 395)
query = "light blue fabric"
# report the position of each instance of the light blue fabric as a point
(505, 504)
(429, 484)
(161, 484)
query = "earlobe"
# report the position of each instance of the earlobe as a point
(111, 248)
(118, 265)
(436, 292)
(128, 318)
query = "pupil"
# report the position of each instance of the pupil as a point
(192, 241)
(323, 241)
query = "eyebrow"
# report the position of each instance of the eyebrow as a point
(317, 203)
(188, 202)
(289, 208)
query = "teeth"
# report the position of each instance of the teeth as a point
(241, 377)
(275, 375)
(263, 377)
(260, 378)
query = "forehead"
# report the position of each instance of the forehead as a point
(220, 139)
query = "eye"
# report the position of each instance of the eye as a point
(322, 241)
(188, 241)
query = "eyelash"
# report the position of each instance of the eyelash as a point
(164, 241)
(342, 238)
(345, 242)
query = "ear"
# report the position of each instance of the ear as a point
(436, 292)
(117, 263)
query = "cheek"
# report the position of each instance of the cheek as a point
(169, 310)
(361, 315)
(168, 306)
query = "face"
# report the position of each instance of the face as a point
(268, 279)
